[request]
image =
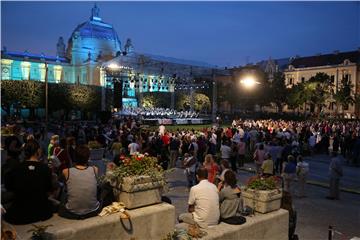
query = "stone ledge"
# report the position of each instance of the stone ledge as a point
(151, 222)
(273, 225)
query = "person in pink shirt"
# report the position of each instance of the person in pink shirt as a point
(259, 157)
(241, 152)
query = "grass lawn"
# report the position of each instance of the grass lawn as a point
(184, 127)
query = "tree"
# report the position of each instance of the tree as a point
(26, 93)
(156, 99)
(296, 96)
(319, 88)
(201, 103)
(343, 96)
(277, 91)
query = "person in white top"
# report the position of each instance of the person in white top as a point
(225, 150)
(203, 203)
(302, 170)
(133, 147)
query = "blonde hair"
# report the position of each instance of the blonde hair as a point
(55, 137)
(209, 158)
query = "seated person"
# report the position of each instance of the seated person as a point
(224, 165)
(79, 200)
(229, 196)
(203, 202)
(31, 183)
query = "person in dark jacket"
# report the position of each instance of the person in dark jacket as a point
(31, 184)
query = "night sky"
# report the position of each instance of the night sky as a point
(220, 33)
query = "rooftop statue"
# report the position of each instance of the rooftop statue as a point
(95, 11)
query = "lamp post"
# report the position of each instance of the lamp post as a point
(46, 95)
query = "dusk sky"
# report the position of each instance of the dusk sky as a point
(220, 33)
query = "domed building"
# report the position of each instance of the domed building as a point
(90, 44)
(93, 39)
(92, 48)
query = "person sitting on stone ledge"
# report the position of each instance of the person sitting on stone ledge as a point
(229, 196)
(31, 183)
(79, 200)
(203, 203)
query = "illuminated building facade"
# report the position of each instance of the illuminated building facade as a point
(338, 66)
(92, 46)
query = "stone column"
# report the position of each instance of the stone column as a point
(192, 98)
(172, 104)
(103, 89)
(214, 98)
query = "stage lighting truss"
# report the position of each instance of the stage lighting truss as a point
(146, 73)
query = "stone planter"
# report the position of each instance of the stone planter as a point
(139, 191)
(262, 201)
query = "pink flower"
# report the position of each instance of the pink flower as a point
(111, 166)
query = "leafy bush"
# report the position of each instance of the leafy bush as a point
(261, 183)
(135, 165)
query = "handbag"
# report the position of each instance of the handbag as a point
(195, 232)
(256, 156)
(235, 220)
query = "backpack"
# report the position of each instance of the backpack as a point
(55, 161)
(290, 168)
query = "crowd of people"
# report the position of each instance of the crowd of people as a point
(46, 173)
(160, 113)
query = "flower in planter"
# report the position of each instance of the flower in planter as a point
(135, 165)
(262, 183)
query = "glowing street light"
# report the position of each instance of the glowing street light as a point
(113, 66)
(249, 82)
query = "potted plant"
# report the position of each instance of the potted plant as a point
(39, 232)
(263, 194)
(138, 181)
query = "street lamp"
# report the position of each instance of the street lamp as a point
(249, 82)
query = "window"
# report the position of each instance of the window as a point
(346, 107)
(302, 80)
(331, 106)
(332, 78)
(5, 73)
(290, 81)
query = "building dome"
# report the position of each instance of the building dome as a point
(93, 40)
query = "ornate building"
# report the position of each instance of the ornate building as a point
(338, 65)
(92, 47)
(90, 44)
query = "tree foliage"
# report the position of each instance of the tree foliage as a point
(314, 92)
(156, 99)
(319, 89)
(61, 96)
(277, 91)
(343, 96)
(201, 102)
(29, 94)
